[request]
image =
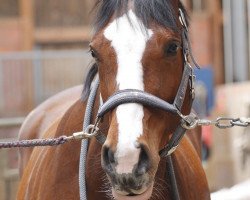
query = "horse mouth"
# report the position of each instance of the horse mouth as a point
(136, 195)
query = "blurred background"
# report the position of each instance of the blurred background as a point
(44, 50)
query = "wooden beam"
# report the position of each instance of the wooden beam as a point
(27, 18)
(62, 34)
(89, 6)
(9, 21)
(218, 55)
(11, 122)
(187, 4)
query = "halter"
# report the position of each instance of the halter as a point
(146, 99)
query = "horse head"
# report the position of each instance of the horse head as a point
(138, 45)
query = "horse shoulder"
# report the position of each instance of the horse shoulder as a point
(41, 118)
(194, 136)
(30, 173)
(52, 172)
(192, 178)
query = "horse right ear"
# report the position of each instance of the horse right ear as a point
(175, 4)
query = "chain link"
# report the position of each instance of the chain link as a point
(191, 121)
(243, 122)
(225, 122)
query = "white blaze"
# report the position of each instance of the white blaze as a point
(129, 41)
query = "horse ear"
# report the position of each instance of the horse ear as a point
(175, 4)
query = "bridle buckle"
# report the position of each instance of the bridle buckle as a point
(189, 122)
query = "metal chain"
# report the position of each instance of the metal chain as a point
(225, 122)
(191, 121)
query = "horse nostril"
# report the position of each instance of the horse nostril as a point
(131, 195)
(108, 159)
(144, 162)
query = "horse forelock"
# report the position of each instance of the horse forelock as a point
(161, 12)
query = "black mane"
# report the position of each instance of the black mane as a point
(159, 11)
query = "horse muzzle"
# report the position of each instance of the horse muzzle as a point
(133, 182)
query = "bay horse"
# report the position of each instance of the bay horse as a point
(137, 45)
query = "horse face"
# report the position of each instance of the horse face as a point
(130, 56)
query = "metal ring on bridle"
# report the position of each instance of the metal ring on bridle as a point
(91, 131)
(187, 124)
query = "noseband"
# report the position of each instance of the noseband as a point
(149, 100)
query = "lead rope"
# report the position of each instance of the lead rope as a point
(84, 144)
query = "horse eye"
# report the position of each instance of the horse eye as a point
(172, 49)
(93, 53)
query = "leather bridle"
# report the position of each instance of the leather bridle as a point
(146, 99)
